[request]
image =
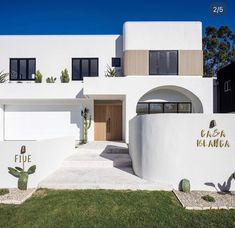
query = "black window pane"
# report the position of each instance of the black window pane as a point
(76, 69)
(172, 68)
(163, 62)
(170, 108)
(184, 108)
(116, 62)
(142, 108)
(153, 65)
(13, 69)
(31, 68)
(85, 67)
(23, 69)
(156, 108)
(93, 67)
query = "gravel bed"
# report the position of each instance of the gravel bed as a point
(16, 196)
(193, 200)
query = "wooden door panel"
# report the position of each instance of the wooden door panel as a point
(108, 122)
(116, 122)
(100, 122)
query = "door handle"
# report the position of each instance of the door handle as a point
(108, 125)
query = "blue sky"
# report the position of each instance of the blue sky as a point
(103, 16)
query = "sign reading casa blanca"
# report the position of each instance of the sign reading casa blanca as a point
(213, 137)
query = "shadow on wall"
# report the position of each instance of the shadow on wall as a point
(80, 94)
(119, 53)
(225, 187)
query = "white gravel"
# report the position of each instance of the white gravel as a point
(16, 196)
(193, 200)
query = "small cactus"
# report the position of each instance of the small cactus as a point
(86, 124)
(185, 185)
(22, 175)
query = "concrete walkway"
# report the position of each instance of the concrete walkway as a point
(99, 165)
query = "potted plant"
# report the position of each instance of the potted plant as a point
(64, 76)
(51, 79)
(38, 77)
(111, 72)
(3, 77)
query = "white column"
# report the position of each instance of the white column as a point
(1, 122)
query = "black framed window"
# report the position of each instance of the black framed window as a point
(163, 107)
(84, 67)
(163, 62)
(116, 62)
(22, 69)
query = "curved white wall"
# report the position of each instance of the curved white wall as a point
(163, 148)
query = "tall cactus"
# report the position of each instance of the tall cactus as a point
(86, 123)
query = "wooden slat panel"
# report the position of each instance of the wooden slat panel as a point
(136, 62)
(190, 62)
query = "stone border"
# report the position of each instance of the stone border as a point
(193, 200)
(16, 196)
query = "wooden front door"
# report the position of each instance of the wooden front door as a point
(108, 121)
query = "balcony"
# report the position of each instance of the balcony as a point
(31, 90)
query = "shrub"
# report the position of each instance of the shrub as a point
(64, 76)
(111, 72)
(3, 77)
(4, 191)
(185, 185)
(51, 80)
(208, 198)
(38, 77)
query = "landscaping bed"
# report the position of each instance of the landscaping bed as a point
(15, 196)
(212, 200)
(106, 208)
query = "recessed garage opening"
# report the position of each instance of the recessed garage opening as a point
(34, 122)
(169, 99)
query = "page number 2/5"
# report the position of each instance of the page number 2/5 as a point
(218, 8)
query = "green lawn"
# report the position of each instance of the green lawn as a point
(100, 208)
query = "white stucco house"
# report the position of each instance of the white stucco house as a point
(159, 102)
(159, 67)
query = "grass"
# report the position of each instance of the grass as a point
(100, 208)
(3, 191)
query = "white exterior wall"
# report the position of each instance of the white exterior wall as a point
(54, 53)
(1, 122)
(135, 87)
(163, 148)
(47, 155)
(162, 35)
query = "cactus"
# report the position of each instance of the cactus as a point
(22, 175)
(185, 185)
(86, 124)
